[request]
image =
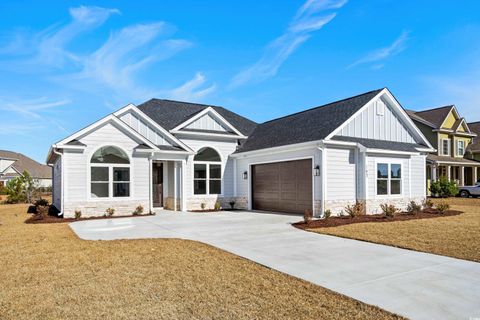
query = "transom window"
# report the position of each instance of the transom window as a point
(109, 173)
(207, 172)
(446, 147)
(389, 178)
(460, 147)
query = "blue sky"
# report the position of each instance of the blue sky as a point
(66, 64)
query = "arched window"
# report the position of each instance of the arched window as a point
(207, 172)
(109, 173)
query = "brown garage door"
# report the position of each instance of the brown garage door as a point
(282, 186)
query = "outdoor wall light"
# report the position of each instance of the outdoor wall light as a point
(316, 170)
(245, 175)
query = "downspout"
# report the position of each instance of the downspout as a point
(323, 172)
(150, 183)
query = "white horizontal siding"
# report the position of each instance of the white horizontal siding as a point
(145, 129)
(372, 176)
(341, 173)
(370, 125)
(418, 175)
(207, 122)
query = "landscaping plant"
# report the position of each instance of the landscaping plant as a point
(442, 207)
(21, 189)
(389, 210)
(357, 209)
(413, 207)
(307, 215)
(109, 212)
(78, 214)
(41, 202)
(327, 213)
(203, 205)
(217, 206)
(444, 188)
(427, 203)
(232, 204)
(138, 210)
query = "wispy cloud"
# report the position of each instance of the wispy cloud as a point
(310, 17)
(383, 53)
(193, 90)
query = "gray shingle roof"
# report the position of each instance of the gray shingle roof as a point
(23, 163)
(309, 125)
(435, 158)
(382, 144)
(435, 116)
(169, 114)
(475, 128)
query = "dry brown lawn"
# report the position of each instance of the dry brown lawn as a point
(454, 236)
(46, 272)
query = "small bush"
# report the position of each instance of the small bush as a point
(109, 212)
(413, 207)
(203, 205)
(41, 203)
(307, 216)
(389, 210)
(442, 207)
(327, 213)
(427, 204)
(232, 204)
(138, 210)
(78, 214)
(357, 209)
(42, 212)
(444, 188)
(217, 206)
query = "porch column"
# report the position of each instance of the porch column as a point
(462, 176)
(474, 174)
(449, 173)
(175, 186)
(433, 174)
(184, 199)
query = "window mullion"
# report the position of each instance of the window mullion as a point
(207, 182)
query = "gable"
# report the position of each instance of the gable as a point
(449, 120)
(378, 121)
(207, 122)
(146, 130)
(5, 163)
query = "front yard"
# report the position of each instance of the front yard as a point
(454, 236)
(48, 273)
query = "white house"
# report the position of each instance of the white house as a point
(13, 164)
(177, 155)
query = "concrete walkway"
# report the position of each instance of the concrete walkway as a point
(413, 284)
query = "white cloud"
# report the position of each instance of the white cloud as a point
(192, 90)
(310, 17)
(383, 53)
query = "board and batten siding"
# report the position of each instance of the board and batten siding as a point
(77, 173)
(145, 129)
(341, 174)
(378, 121)
(207, 122)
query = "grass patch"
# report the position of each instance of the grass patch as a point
(453, 236)
(48, 273)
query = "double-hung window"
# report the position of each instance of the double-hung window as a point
(207, 172)
(446, 147)
(460, 147)
(109, 173)
(389, 179)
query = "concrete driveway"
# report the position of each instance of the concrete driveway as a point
(413, 284)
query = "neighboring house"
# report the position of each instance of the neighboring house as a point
(13, 164)
(473, 149)
(450, 134)
(177, 155)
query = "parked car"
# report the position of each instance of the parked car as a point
(467, 191)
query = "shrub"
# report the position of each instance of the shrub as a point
(357, 209)
(138, 210)
(41, 203)
(217, 205)
(427, 204)
(327, 213)
(78, 214)
(413, 207)
(42, 212)
(442, 207)
(15, 190)
(109, 212)
(232, 204)
(2, 190)
(203, 205)
(307, 215)
(444, 188)
(389, 210)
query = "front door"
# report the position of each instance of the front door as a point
(157, 185)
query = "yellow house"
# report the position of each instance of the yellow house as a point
(451, 135)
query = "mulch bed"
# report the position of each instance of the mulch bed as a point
(37, 219)
(213, 210)
(340, 221)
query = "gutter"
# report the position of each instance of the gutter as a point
(62, 185)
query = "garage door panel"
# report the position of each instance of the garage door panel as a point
(283, 186)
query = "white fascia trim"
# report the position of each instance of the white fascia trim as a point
(208, 134)
(426, 150)
(280, 149)
(133, 108)
(202, 113)
(66, 146)
(384, 151)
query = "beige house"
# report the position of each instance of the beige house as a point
(452, 136)
(13, 164)
(473, 149)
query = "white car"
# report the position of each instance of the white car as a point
(467, 191)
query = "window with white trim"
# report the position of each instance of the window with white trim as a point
(446, 147)
(389, 179)
(460, 147)
(207, 172)
(109, 173)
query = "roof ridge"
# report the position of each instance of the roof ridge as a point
(447, 106)
(187, 102)
(474, 122)
(324, 105)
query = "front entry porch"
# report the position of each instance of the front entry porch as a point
(167, 185)
(464, 174)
